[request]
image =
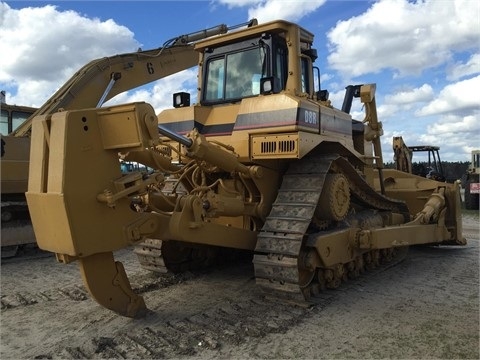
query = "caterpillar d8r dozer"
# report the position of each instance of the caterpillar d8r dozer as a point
(262, 162)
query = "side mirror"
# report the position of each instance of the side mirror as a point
(323, 95)
(270, 85)
(181, 99)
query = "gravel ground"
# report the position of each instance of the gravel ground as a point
(427, 306)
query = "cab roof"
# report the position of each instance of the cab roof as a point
(276, 26)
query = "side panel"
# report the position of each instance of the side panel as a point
(293, 126)
(335, 123)
(14, 164)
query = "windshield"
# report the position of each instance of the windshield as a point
(235, 75)
(10, 120)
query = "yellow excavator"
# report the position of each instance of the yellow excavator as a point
(261, 162)
(16, 229)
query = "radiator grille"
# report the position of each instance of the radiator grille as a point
(283, 146)
(286, 146)
(268, 147)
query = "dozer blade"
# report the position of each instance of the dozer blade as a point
(108, 284)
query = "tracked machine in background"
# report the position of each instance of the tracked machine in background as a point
(16, 228)
(403, 158)
(471, 182)
(261, 163)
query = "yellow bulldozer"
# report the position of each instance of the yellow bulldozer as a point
(261, 162)
(16, 228)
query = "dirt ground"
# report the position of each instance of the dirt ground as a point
(427, 306)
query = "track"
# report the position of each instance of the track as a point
(16, 229)
(281, 241)
(177, 257)
(284, 232)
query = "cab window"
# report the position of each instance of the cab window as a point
(236, 75)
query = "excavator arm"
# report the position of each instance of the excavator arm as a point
(102, 79)
(120, 72)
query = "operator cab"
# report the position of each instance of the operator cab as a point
(255, 61)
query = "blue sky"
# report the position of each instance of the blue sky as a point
(424, 56)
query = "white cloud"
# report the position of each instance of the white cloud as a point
(450, 124)
(404, 36)
(385, 111)
(421, 94)
(459, 70)
(325, 77)
(238, 3)
(32, 92)
(457, 97)
(266, 10)
(286, 10)
(455, 134)
(46, 46)
(449, 118)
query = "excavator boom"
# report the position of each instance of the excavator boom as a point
(102, 79)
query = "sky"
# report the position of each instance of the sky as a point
(424, 56)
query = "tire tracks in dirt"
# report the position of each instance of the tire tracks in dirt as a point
(140, 284)
(221, 313)
(226, 323)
